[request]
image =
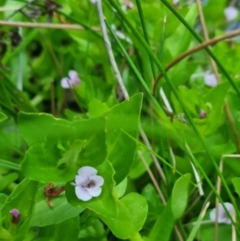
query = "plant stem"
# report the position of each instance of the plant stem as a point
(44, 25)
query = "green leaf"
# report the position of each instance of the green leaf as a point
(92, 131)
(93, 230)
(59, 158)
(3, 198)
(154, 206)
(121, 148)
(131, 215)
(7, 179)
(96, 108)
(163, 227)
(41, 164)
(104, 204)
(64, 231)
(36, 127)
(137, 168)
(3, 117)
(180, 195)
(206, 232)
(44, 215)
(236, 184)
(71, 155)
(215, 100)
(120, 189)
(22, 198)
(182, 33)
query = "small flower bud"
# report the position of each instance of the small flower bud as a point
(202, 114)
(15, 216)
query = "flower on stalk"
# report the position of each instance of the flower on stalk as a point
(73, 79)
(15, 216)
(222, 215)
(87, 183)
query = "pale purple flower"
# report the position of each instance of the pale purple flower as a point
(202, 114)
(15, 216)
(175, 2)
(230, 13)
(73, 79)
(210, 80)
(87, 183)
(128, 4)
(222, 215)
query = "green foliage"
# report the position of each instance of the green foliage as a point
(163, 226)
(131, 214)
(62, 211)
(22, 199)
(142, 146)
(117, 122)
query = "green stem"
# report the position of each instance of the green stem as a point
(139, 6)
(9, 165)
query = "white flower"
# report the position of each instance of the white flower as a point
(210, 80)
(73, 79)
(93, 1)
(222, 215)
(175, 2)
(230, 13)
(87, 183)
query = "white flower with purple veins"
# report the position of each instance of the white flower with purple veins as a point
(222, 215)
(73, 79)
(88, 183)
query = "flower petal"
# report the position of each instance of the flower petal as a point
(98, 180)
(80, 179)
(210, 80)
(74, 77)
(87, 172)
(66, 83)
(222, 216)
(230, 13)
(82, 193)
(202, 114)
(15, 215)
(95, 191)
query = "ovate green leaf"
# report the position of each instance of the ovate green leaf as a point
(180, 195)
